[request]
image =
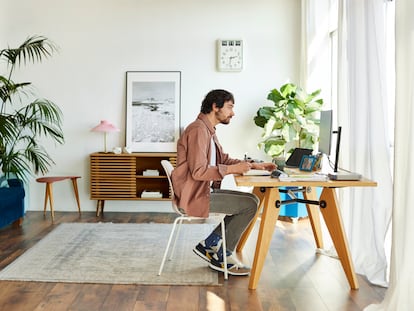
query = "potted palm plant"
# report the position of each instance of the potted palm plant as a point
(291, 122)
(24, 118)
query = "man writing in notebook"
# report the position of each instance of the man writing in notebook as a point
(201, 165)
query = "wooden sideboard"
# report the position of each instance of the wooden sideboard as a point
(120, 176)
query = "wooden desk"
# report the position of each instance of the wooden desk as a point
(267, 189)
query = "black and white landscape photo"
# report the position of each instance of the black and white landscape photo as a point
(153, 112)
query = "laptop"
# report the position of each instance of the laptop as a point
(296, 156)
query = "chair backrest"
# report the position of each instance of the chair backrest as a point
(168, 168)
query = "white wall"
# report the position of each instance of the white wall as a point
(100, 40)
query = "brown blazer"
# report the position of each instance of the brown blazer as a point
(192, 176)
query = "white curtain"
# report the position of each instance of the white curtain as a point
(315, 49)
(365, 145)
(362, 113)
(400, 294)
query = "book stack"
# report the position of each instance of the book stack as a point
(148, 172)
(151, 194)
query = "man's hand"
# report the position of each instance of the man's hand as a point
(239, 168)
(264, 166)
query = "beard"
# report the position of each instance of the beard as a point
(222, 118)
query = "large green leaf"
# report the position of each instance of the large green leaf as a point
(288, 90)
(274, 146)
(275, 96)
(263, 115)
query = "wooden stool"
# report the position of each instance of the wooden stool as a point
(49, 191)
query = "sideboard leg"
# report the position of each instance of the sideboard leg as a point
(99, 207)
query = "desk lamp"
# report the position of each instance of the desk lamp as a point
(105, 127)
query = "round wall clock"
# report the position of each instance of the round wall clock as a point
(229, 55)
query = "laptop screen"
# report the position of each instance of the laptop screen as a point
(296, 156)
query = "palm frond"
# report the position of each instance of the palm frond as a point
(8, 129)
(39, 158)
(43, 117)
(33, 49)
(21, 129)
(15, 163)
(8, 88)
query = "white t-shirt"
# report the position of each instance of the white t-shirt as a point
(213, 153)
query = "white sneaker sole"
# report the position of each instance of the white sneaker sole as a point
(232, 270)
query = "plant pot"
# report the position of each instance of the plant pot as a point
(280, 162)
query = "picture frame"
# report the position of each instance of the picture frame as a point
(153, 100)
(307, 163)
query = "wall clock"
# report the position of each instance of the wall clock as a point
(229, 55)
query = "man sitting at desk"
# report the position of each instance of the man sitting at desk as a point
(201, 165)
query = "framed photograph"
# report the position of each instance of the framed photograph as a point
(307, 163)
(153, 110)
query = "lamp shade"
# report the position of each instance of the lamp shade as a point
(105, 126)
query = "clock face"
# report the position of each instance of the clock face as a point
(230, 55)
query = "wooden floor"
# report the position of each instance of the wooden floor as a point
(293, 278)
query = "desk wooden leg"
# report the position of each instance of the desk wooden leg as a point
(333, 220)
(75, 189)
(246, 233)
(267, 227)
(49, 194)
(314, 218)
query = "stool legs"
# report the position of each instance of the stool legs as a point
(46, 198)
(49, 196)
(75, 189)
(49, 192)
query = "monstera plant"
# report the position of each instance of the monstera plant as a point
(290, 122)
(25, 119)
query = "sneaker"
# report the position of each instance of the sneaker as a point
(204, 251)
(234, 266)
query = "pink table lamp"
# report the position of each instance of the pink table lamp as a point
(105, 127)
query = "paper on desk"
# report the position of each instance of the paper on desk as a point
(256, 172)
(297, 175)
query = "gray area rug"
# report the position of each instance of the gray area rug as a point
(114, 254)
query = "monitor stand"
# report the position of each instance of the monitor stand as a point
(341, 174)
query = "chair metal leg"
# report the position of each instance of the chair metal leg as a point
(168, 244)
(223, 236)
(176, 230)
(176, 237)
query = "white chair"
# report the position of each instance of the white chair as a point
(182, 216)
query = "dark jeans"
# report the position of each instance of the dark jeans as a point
(240, 207)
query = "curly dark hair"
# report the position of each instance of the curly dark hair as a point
(219, 97)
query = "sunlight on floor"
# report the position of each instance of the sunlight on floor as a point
(215, 303)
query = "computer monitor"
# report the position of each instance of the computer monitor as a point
(325, 137)
(325, 132)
